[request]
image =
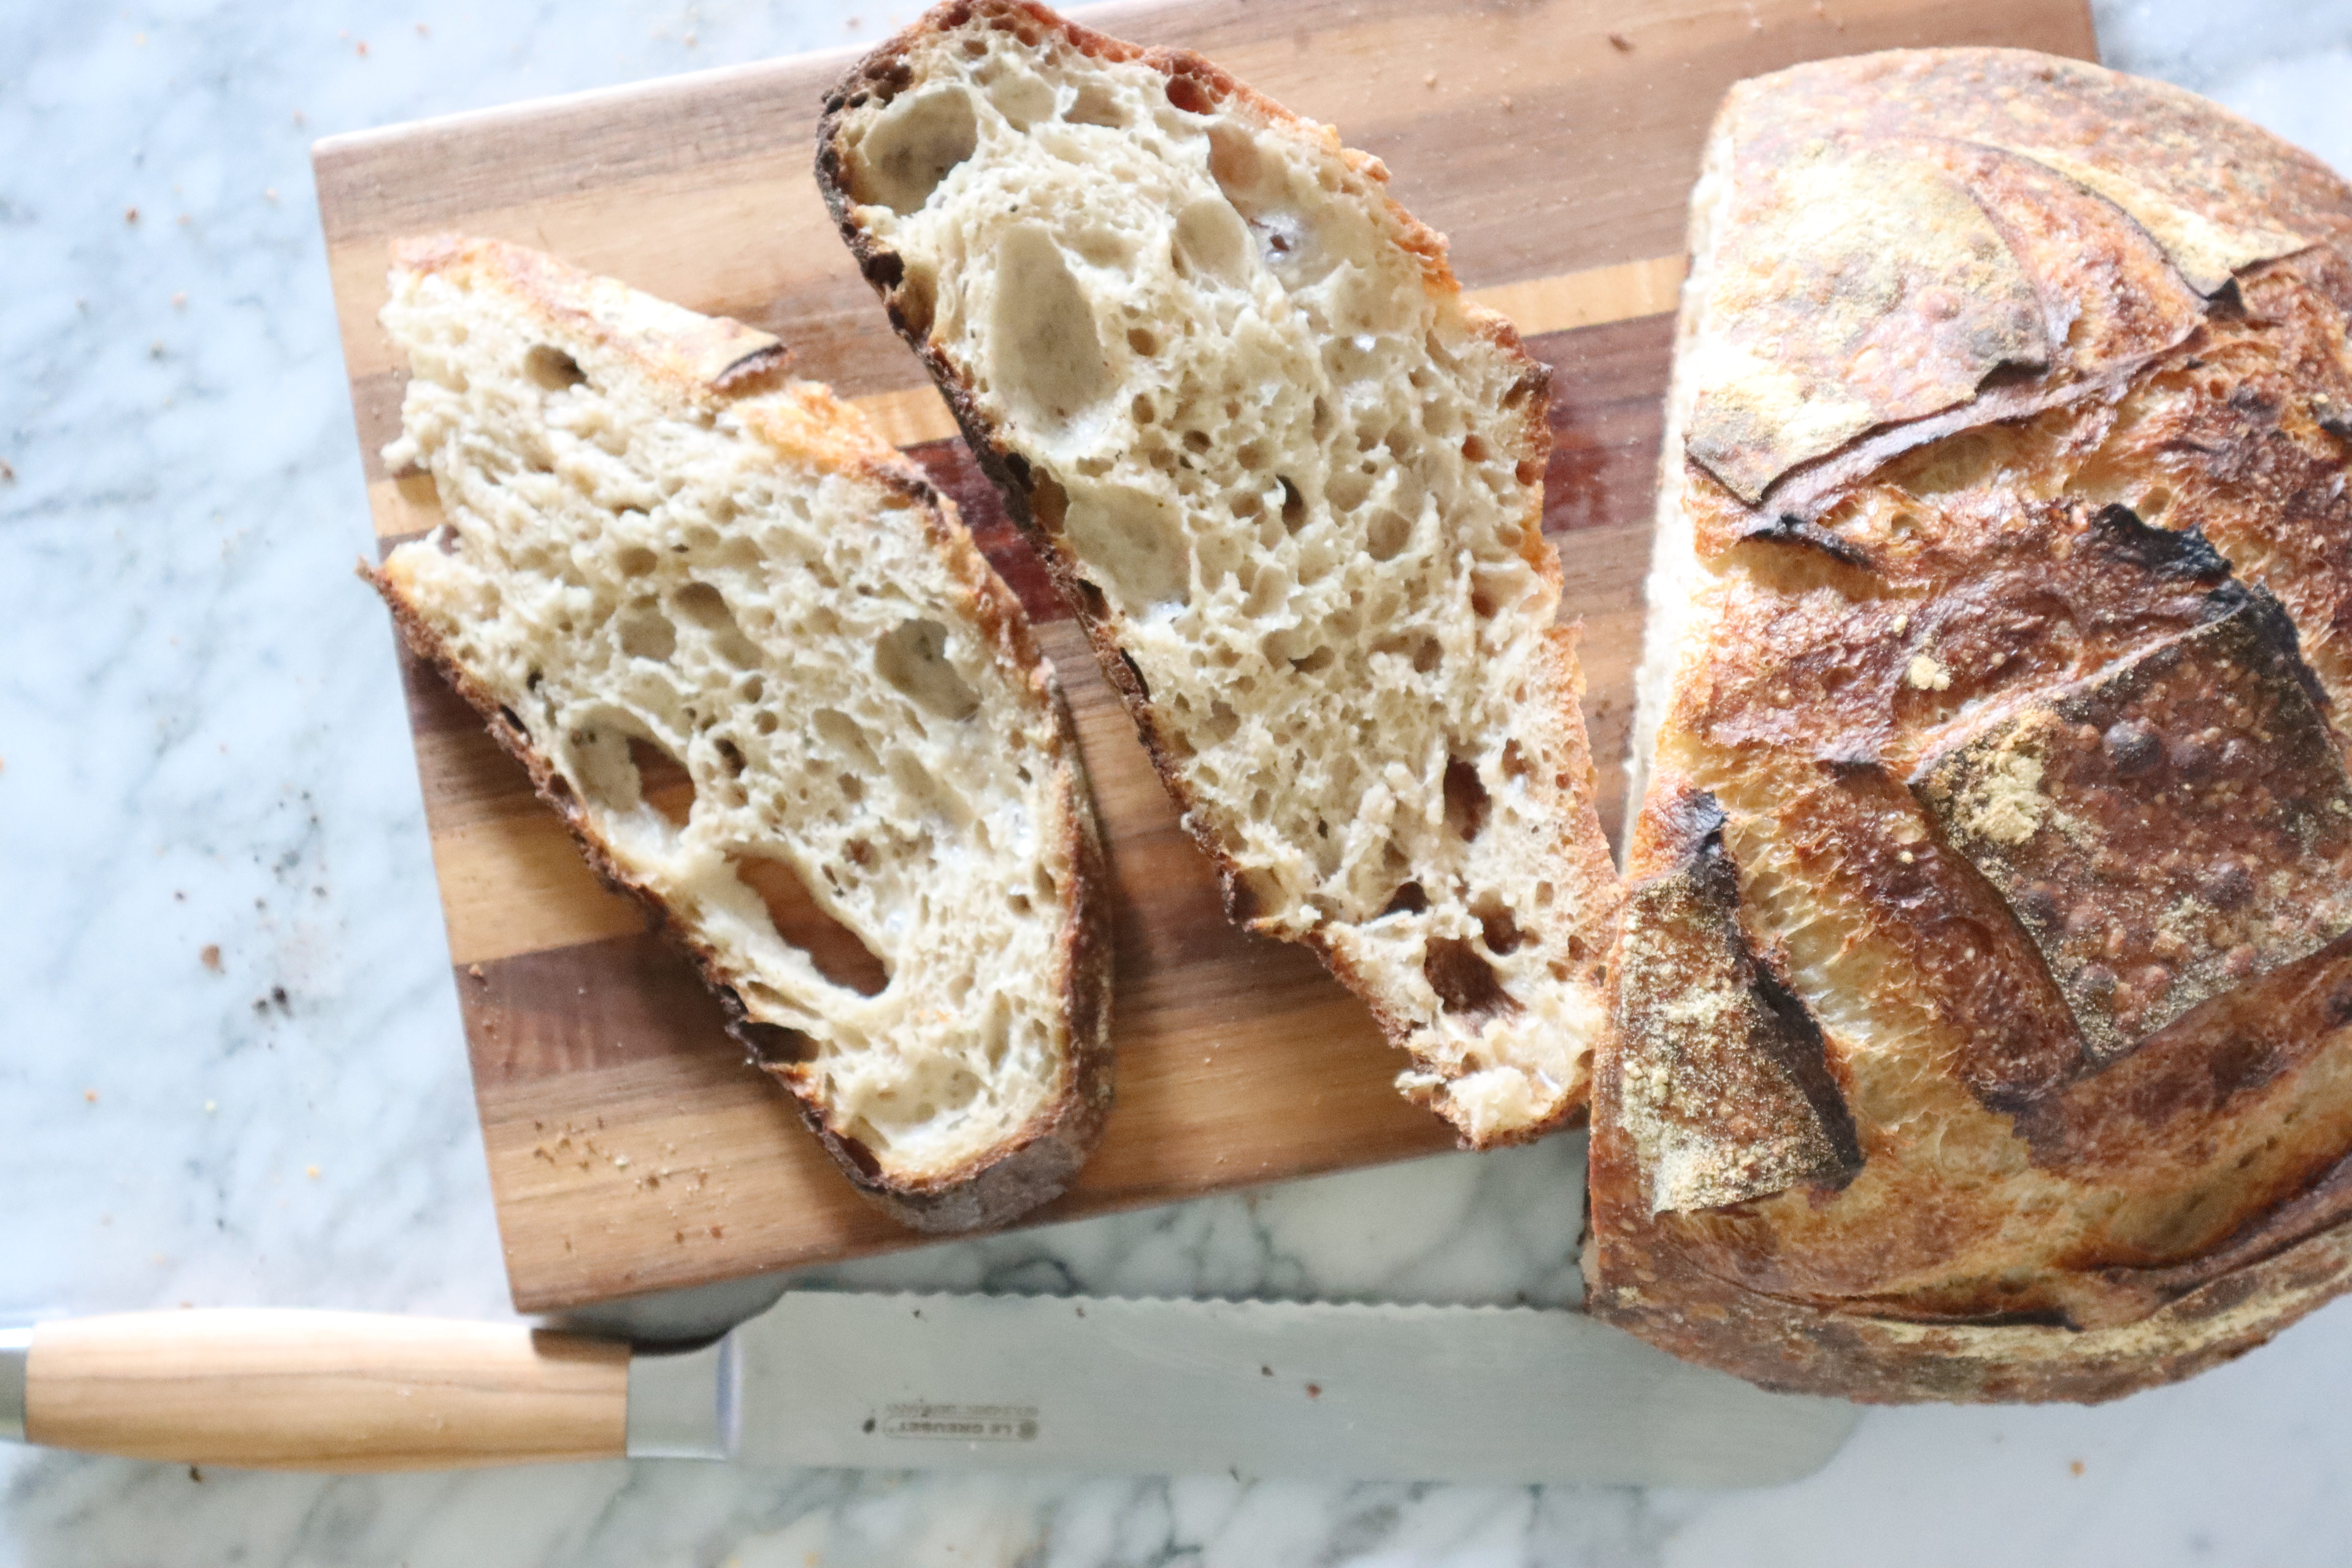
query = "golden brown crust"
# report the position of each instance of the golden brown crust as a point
(2005, 190)
(1725, 1088)
(1035, 502)
(712, 362)
(2032, 788)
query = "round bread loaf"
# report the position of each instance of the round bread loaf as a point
(1979, 1016)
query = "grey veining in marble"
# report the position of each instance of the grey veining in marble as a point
(230, 1068)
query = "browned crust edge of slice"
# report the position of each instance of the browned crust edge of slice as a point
(1038, 1163)
(885, 72)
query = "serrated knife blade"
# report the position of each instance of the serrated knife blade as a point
(924, 1381)
(1256, 1389)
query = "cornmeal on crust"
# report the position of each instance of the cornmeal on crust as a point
(758, 666)
(1982, 1012)
(1292, 484)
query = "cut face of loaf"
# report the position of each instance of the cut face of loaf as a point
(1293, 487)
(762, 672)
(1982, 1015)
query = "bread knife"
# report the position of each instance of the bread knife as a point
(1309, 1390)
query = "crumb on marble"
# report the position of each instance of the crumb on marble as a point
(180, 300)
(7, 472)
(131, 214)
(89, 1096)
(312, 1172)
(423, 31)
(210, 957)
(2075, 1467)
(361, 48)
(212, 1107)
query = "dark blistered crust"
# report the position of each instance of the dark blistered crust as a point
(1726, 1090)
(1033, 499)
(2038, 1218)
(2166, 831)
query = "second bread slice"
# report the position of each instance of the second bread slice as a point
(1293, 485)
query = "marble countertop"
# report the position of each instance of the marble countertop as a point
(230, 1064)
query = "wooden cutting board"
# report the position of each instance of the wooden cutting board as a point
(1555, 141)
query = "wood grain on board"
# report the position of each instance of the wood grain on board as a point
(1554, 141)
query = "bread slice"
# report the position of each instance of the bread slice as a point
(1291, 485)
(1983, 1011)
(758, 668)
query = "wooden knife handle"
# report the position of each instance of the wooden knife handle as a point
(324, 1391)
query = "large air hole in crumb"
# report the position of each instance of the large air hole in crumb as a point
(912, 145)
(637, 561)
(706, 606)
(916, 299)
(912, 657)
(1022, 97)
(772, 1045)
(1387, 534)
(1133, 543)
(1234, 162)
(1407, 899)
(663, 782)
(1294, 505)
(1503, 934)
(838, 953)
(1465, 799)
(1212, 237)
(645, 632)
(551, 369)
(1465, 982)
(1046, 357)
(1095, 106)
(1191, 95)
(845, 735)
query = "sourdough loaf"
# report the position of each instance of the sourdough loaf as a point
(1982, 1012)
(1291, 484)
(759, 669)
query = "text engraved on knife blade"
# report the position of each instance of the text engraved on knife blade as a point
(963, 1422)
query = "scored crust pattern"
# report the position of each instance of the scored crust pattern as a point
(2002, 578)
